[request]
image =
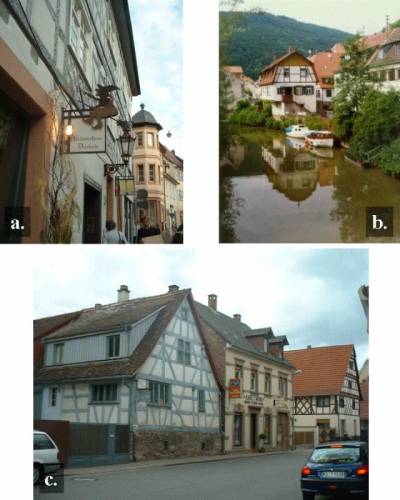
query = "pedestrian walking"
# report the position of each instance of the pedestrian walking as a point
(112, 235)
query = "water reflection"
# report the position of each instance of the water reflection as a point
(274, 190)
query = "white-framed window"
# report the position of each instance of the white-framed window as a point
(309, 90)
(286, 72)
(150, 139)
(80, 36)
(141, 174)
(58, 357)
(53, 396)
(201, 398)
(152, 173)
(283, 387)
(104, 393)
(318, 94)
(303, 72)
(267, 383)
(160, 393)
(113, 345)
(254, 380)
(323, 401)
(184, 352)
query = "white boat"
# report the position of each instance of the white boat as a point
(320, 139)
(298, 131)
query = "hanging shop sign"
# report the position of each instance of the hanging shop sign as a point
(82, 134)
(234, 388)
(125, 186)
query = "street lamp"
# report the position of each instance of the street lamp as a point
(126, 144)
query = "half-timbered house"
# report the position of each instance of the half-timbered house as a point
(326, 393)
(289, 83)
(258, 398)
(133, 379)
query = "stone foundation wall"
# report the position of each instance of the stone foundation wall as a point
(150, 445)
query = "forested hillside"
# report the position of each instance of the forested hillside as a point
(260, 36)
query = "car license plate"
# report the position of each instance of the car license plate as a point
(332, 475)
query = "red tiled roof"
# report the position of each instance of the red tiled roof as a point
(326, 64)
(374, 40)
(338, 49)
(322, 369)
(364, 402)
(236, 70)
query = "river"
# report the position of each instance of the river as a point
(272, 190)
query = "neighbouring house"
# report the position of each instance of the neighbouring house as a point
(326, 64)
(134, 380)
(239, 85)
(385, 61)
(363, 293)
(53, 56)
(364, 404)
(149, 171)
(326, 394)
(257, 378)
(290, 84)
(173, 187)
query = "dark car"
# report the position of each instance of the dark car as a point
(338, 469)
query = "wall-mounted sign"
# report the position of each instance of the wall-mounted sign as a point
(253, 399)
(124, 186)
(81, 135)
(234, 388)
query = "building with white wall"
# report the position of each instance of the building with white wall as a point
(53, 56)
(289, 83)
(326, 393)
(134, 379)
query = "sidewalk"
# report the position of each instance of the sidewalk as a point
(132, 466)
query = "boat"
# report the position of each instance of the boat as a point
(298, 131)
(320, 139)
(296, 143)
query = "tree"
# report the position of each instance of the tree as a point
(377, 123)
(353, 84)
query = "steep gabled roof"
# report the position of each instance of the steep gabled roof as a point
(119, 314)
(323, 369)
(44, 326)
(326, 64)
(234, 332)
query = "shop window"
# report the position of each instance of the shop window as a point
(238, 429)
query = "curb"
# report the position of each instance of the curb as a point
(132, 466)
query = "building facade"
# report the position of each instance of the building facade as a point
(239, 85)
(385, 61)
(257, 380)
(136, 370)
(53, 57)
(326, 393)
(173, 184)
(289, 83)
(326, 64)
(149, 170)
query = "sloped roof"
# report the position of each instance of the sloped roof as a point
(277, 61)
(234, 332)
(236, 70)
(374, 40)
(338, 49)
(322, 369)
(394, 36)
(326, 64)
(119, 314)
(143, 117)
(44, 326)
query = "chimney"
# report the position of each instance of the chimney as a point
(173, 288)
(237, 317)
(212, 301)
(123, 293)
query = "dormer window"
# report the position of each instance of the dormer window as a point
(113, 342)
(58, 354)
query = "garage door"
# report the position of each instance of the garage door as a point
(304, 439)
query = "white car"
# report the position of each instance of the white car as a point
(46, 456)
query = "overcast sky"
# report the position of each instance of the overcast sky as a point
(309, 295)
(347, 15)
(157, 30)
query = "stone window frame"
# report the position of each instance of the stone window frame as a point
(150, 143)
(141, 173)
(152, 173)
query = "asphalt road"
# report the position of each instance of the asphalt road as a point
(267, 477)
